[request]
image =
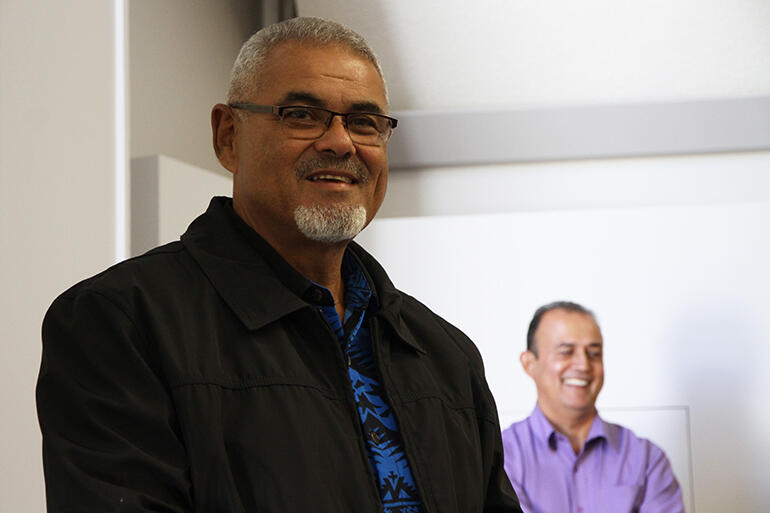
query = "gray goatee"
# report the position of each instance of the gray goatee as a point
(331, 223)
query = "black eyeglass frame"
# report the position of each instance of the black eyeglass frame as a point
(279, 109)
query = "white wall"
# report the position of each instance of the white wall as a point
(159, 213)
(57, 201)
(658, 180)
(446, 54)
(181, 53)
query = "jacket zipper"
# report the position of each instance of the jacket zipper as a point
(344, 357)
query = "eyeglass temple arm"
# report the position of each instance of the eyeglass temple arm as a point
(251, 107)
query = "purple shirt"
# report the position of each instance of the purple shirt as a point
(614, 472)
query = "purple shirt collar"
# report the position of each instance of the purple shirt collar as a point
(547, 433)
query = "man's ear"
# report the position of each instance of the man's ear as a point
(528, 359)
(223, 134)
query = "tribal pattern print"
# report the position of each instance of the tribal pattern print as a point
(398, 490)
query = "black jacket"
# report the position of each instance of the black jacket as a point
(192, 378)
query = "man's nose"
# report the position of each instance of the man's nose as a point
(581, 360)
(336, 139)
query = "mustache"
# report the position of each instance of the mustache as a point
(348, 165)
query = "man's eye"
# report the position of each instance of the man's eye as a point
(298, 115)
(362, 123)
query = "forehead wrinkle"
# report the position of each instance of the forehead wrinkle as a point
(357, 77)
(340, 77)
(302, 96)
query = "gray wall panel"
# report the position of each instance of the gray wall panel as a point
(424, 138)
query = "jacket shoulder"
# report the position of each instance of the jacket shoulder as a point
(432, 330)
(167, 266)
(422, 320)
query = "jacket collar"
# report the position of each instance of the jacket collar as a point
(261, 287)
(391, 300)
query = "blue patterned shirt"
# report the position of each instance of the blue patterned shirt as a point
(398, 490)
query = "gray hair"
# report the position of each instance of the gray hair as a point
(247, 70)
(556, 305)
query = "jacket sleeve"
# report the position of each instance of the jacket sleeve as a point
(110, 437)
(500, 497)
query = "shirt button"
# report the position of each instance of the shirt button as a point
(580, 509)
(374, 437)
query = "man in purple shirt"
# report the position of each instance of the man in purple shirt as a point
(564, 458)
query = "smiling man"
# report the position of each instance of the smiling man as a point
(265, 362)
(564, 458)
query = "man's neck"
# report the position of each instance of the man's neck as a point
(575, 425)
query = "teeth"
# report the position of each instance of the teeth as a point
(336, 178)
(576, 382)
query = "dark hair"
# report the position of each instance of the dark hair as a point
(556, 305)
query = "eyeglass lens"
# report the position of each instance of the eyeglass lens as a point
(311, 123)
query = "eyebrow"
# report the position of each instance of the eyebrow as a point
(573, 344)
(367, 107)
(312, 100)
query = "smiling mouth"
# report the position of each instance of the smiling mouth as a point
(576, 382)
(332, 178)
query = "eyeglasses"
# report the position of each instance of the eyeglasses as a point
(304, 122)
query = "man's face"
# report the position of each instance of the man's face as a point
(275, 174)
(568, 369)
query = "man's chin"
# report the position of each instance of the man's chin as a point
(330, 223)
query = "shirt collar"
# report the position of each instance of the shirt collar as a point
(540, 425)
(546, 432)
(358, 290)
(598, 429)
